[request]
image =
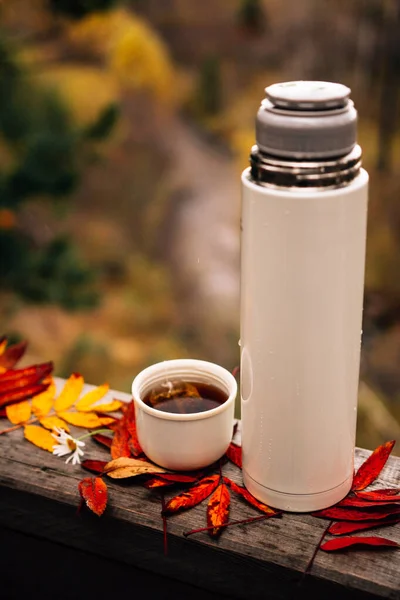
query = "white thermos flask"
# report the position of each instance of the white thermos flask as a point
(304, 214)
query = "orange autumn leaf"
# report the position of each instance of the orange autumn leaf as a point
(192, 496)
(85, 403)
(42, 403)
(3, 344)
(372, 466)
(120, 442)
(11, 355)
(52, 422)
(93, 490)
(245, 494)
(70, 392)
(218, 509)
(123, 468)
(89, 420)
(40, 437)
(19, 413)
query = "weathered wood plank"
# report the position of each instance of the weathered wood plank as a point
(38, 497)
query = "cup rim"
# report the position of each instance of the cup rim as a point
(205, 367)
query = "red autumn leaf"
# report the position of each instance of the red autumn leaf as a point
(94, 491)
(94, 466)
(361, 503)
(120, 442)
(371, 468)
(104, 440)
(11, 355)
(249, 498)
(180, 477)
(22, 394)
(218, 509)
(157, 482)
(2, 413)
(234, 453)
(129, 420)
(348, 527)
(354, 514)
(350, 542)
(33, 374)
(192, 496)
(382, 495)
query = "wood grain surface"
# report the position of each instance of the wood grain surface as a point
(266, 559)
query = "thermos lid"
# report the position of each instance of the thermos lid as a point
(306, 120)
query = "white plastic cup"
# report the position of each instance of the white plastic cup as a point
(184, 442)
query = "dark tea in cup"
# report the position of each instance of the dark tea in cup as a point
(185, 397)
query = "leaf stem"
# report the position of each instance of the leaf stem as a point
(18, 426)
(318, 546)
(91, 433)
(241, 522)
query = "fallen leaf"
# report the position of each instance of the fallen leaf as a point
(85, 403)
(371, 468)
(218, 509)
(38, 372)
(22, 394)
(109, 407)
(52, 422)
(122, 468)
(382, 495)
(94, 492)
(234, 453)
(19, 413)
(181, 477)
(351, 542)
(3, 344)
(250, 498)
(88, 420)
(70, 392)
(104, 440)
(11, 356)
(40, 437)
(120, 442)
(361, 503)
(42, 403)
(2, 413)
(95, 466)
(354, 514)
(157, 482)
(348, 527)
(193, 496)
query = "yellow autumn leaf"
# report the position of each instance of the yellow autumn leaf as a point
(52, 422)
(123, 467)
(70, 392)
(40, 437)
(19, 413)
(89, 420)
(105, 408)
(91, 397)
(42, 403)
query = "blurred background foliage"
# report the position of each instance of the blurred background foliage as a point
(124, 126)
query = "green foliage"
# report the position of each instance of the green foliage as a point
(103, 126)
(77, 9)
(45, 153)
(53, 274)
(209, 94)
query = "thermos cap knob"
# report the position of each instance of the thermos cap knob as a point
(307, 120)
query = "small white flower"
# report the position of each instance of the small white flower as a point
(67, 444)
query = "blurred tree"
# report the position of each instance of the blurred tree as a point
(251, 16)
(76, 9)
(209, 93)
(43, 152)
